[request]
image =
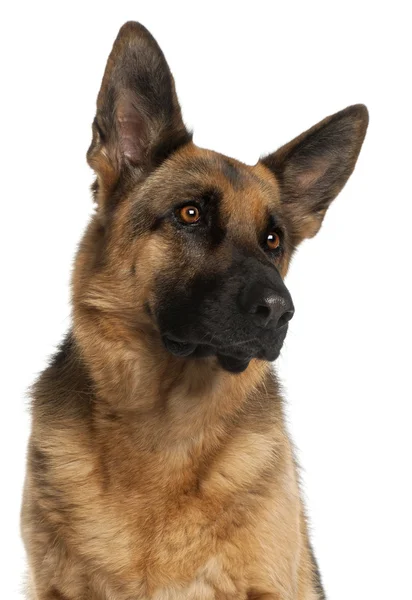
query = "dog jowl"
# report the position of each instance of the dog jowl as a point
(159, 465)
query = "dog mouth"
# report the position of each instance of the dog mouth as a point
(234, 358)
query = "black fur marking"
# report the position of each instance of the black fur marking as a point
(208, 316)
(55, 594)
(211, 228)
(316, 575)
(217, 231)
(101, 237)
(232, 174)
(64, 351)
(54, 392)
(39, 463)
(168, 146)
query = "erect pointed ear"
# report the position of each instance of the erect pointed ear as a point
(313, 168)
(138, 121)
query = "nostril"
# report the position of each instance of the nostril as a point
(285, 318)
(266, 306)
(262, 311)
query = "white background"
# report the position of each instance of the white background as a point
(250, 77)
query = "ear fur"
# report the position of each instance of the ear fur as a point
(313, 168)
(138, 120)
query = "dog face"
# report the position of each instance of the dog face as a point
(188, 245)
(218, 289)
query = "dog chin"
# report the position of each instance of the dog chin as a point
(234, 360)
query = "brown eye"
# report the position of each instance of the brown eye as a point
(273, 240)
(189, 214)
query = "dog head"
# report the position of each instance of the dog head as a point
(188, 245)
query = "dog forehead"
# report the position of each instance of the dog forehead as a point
(246, 192)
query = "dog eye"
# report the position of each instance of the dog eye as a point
(189, 214)
(273, 240)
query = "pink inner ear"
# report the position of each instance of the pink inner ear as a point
(131, 129)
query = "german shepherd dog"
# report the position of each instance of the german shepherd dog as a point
(159, 466)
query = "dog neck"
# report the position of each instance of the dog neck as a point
(138, 376)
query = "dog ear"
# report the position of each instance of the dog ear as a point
(313, 168)
(138, 120)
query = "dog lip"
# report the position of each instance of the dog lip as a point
(234, 357)
(178, 347)
(233, 364)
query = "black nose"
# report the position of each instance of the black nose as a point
(265, 305)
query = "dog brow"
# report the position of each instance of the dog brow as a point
(232, 173)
